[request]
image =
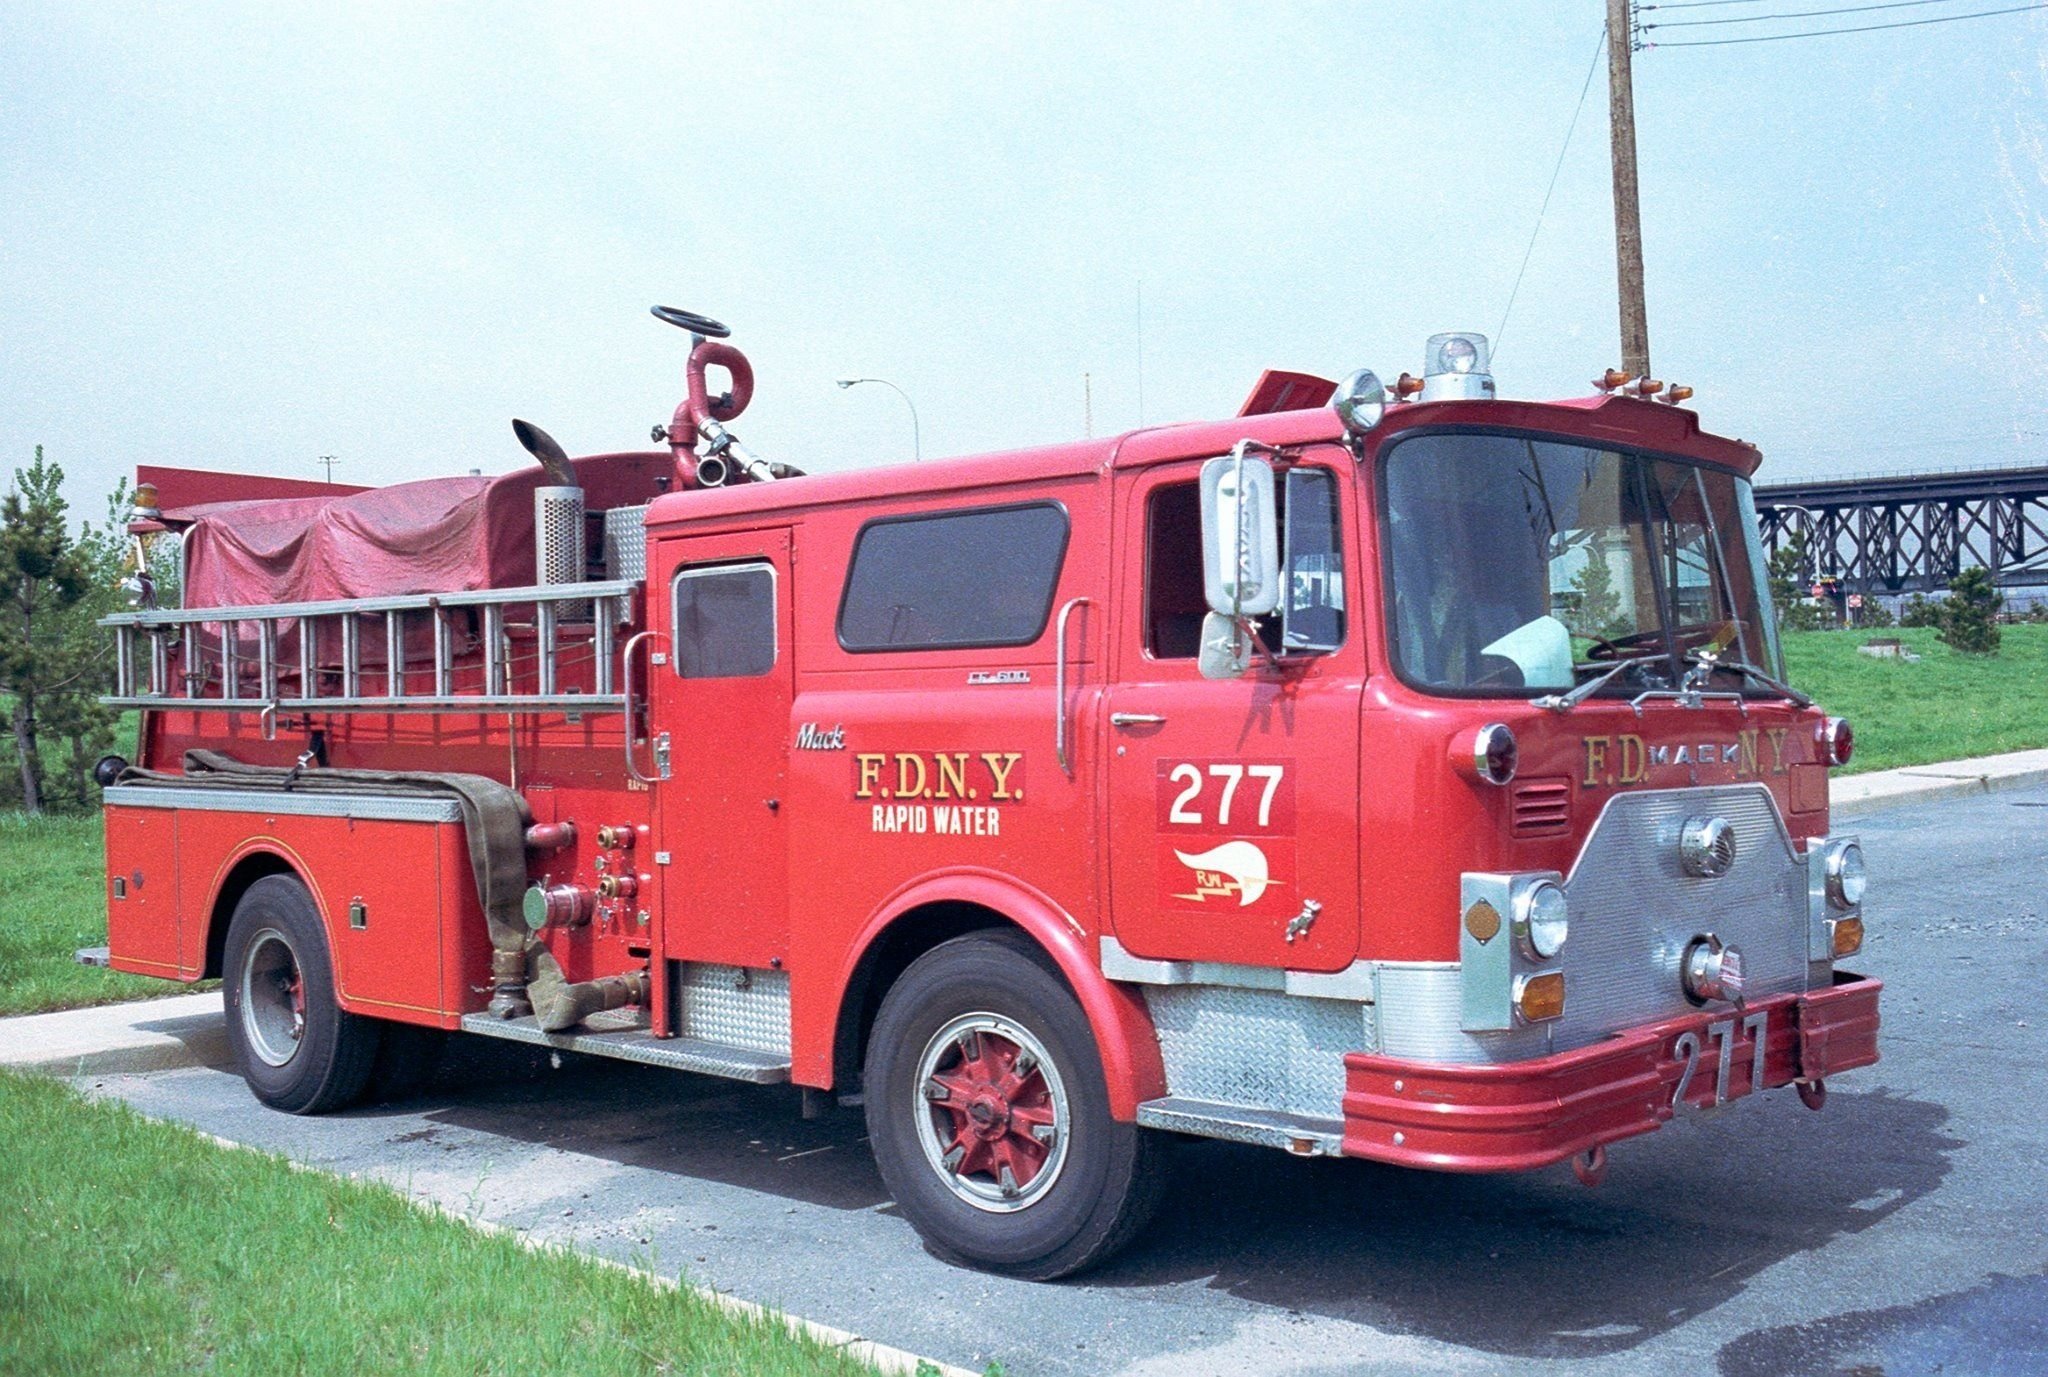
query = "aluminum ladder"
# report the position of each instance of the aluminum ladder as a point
(198, 657)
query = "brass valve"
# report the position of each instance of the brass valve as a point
(618, 838)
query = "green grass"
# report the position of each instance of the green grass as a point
(1946, 707)
(159, 1251)
(52, 887)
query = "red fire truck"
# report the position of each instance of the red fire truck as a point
(1396, 772)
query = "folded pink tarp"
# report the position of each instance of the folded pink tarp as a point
(437, 535)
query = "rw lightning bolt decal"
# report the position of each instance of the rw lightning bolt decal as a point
(1234, 868)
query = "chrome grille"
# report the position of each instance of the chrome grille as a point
(1634, 910)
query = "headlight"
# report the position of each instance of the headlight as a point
(1846, 878)
(1542, 919)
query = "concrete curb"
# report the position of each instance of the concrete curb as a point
(119, 1039)
(1861, 795)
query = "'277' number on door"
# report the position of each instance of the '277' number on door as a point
(1235, 795)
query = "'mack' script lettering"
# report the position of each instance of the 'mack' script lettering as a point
(811, 737)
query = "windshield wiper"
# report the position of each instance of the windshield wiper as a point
(1565, 702)
(1710, 663)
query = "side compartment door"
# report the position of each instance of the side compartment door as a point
(1233, 804)
(723, 697)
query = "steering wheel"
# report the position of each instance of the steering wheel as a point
(690, 320)
(1688, 638)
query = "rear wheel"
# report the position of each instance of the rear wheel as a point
(989, 1115)
(299, 1050)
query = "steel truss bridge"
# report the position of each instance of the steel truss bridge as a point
(1914, 533)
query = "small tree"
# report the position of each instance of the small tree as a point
(1790, 579)
(1969, 618)
(1788, 576)
(1598, 614)
(1918, 611)
(43, 575)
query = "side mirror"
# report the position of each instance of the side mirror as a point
(1240, 536)
(1226, 651)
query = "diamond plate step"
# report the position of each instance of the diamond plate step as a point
(1295, 1133)
(636, 1044)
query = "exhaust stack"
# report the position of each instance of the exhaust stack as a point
(559, 554)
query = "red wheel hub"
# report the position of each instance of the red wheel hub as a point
(1000, 1110)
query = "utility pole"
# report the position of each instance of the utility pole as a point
(329, 461)
(1087, 406)
(1628, 215)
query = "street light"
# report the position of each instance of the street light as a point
(916, 444)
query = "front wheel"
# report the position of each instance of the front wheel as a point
(300, 1051)
(989, 1115)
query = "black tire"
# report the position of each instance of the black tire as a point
(1099, 1181)
(299, 1051)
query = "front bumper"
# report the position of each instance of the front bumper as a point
(1510, 1116)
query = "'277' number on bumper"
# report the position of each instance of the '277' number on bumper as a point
(1688, 1048)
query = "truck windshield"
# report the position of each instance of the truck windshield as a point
(1518, 563)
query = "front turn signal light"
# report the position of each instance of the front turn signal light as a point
(1846, 936)
(1540, 997)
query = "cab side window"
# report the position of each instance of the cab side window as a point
(725, 621)
(1311, 615)
(1174, 603)
(969, 579)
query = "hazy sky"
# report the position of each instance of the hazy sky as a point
(243, 237)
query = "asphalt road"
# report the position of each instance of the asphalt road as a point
(1902, 1230)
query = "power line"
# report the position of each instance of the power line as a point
(1864, 28)
(1800, 14)
(1527, 253)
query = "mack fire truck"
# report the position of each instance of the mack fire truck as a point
(1393, 771)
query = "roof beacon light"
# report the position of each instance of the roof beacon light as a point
(1612, 379)
(1455, 368)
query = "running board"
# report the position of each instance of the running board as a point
(637, 1044)
(1236, 1123)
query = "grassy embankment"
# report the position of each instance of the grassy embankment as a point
(1946, 707)
(159, 1251)
(52, 888)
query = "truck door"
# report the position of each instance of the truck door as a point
(1233, 804)
(723, 697)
